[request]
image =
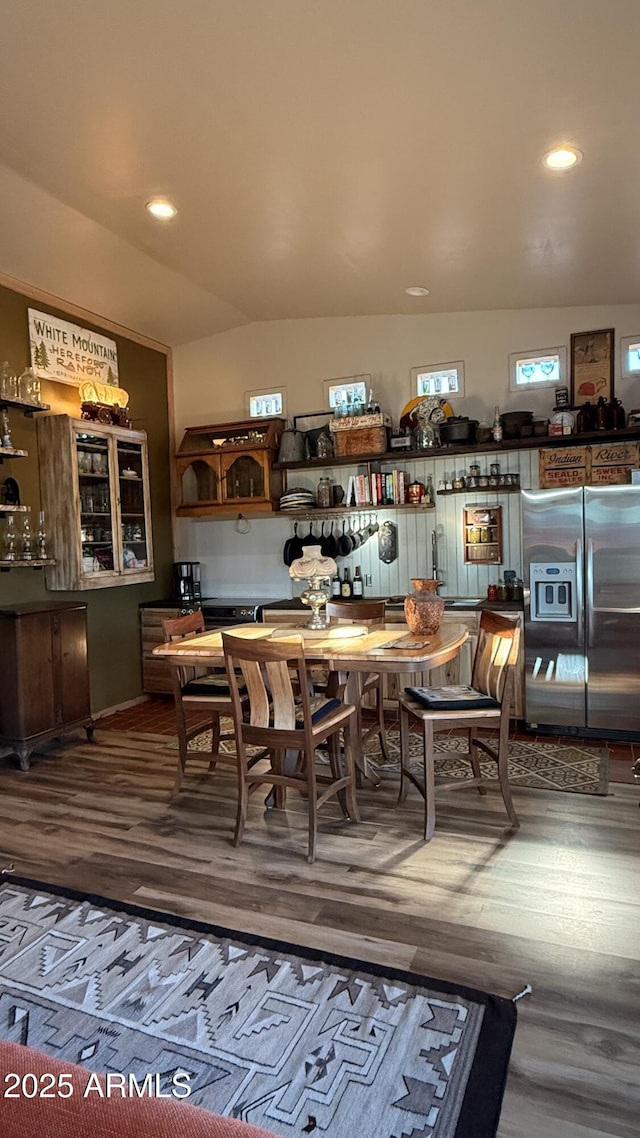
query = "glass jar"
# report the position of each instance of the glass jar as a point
(485, 534)
(503, 593)
(323, 494)
(483, 481)
(26, 386)
(494, 468)
(492, 592)
(474, 469)
(474, 534)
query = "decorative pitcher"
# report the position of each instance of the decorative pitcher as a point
(423, 608)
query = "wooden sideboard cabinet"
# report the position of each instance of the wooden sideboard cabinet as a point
(44, 691)
(94, 489)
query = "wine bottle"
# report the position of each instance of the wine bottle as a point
(346, 592)
(358, 585)
(336, 584)
(496, 430)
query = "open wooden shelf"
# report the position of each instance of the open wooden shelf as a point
(14, 509)
(24, 405)
(11, 452)
(535, 442)
(5, 566)
(481, 490)
(340, 511)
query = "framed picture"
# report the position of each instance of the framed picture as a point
(591, 366)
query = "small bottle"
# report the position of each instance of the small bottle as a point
(9, 540)
(27, 539)
(496, 430)
(429, 495)
(346, 591)
(336, 584)
(5, 436)
(358, 585)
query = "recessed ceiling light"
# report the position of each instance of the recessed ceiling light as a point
(562, 158)
(161, 209)
(417, 290)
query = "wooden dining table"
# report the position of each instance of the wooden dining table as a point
(345, 650)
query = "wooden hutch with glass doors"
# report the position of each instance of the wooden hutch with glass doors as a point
(227, 468)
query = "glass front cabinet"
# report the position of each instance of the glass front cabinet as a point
(227, 468)
(94, 489)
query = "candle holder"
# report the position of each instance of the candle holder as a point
(316, 596)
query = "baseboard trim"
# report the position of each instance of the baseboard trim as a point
(119, 707)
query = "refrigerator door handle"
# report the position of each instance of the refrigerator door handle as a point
(579, 591)
(590, 609)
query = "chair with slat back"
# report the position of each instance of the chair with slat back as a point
(287, 730)
(370, 613)
(196, 690)
(493, 679)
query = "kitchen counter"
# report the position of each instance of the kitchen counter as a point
(395, 603)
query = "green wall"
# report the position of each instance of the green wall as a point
(113, 617)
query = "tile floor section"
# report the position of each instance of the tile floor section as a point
(156, 717)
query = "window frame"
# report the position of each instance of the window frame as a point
(264, 392)
(627, 342)
(433, 369)
(535, 355)
(344, 381)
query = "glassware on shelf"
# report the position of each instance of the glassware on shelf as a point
(9, 540)
(28, 384)
(41, 538)
(5, 439)
(8, 382)
(27, 539)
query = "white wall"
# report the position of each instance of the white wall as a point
(211, 376)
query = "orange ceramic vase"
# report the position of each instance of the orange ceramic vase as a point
(423, 608)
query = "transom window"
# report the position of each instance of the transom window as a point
(630, 356)
(348, 394)
(544, 368)
(264, 403)
(438, 379)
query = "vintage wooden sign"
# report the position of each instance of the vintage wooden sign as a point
(564, 466)
(612, 463)
(66, 353)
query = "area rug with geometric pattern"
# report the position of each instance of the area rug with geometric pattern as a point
(297, 1041)
(544, 766)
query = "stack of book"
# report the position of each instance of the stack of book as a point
(377, 489)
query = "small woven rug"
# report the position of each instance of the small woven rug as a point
(294, 1040)
(543, 766)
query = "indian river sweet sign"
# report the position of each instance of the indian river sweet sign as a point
(67, 353)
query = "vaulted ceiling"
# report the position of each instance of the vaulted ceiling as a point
(323, 155)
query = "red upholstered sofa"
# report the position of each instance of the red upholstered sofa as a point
(84, 1113)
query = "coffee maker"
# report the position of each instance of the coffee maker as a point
(187, 583)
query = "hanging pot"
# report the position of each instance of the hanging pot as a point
(292, 548)
(311, 538)
(332, 544)
(291, 446)
(344, 542)
(324, 542)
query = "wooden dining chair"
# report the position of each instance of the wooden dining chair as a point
(492, 679)
(370, 613)
(195, 689)
(287, 730)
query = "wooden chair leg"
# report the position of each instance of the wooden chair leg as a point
(333, 748)
(350, 768)
(503, 773)
(312, 806)
(429, 782)
(475, 761)
(183, 745)
(404, 753)
(382, 730)
(243, 796)
(215, 740)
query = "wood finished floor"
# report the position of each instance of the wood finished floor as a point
(556, 905)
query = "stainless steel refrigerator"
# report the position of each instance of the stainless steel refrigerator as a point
(582, 612)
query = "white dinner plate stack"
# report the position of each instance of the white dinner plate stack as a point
(297, 498)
